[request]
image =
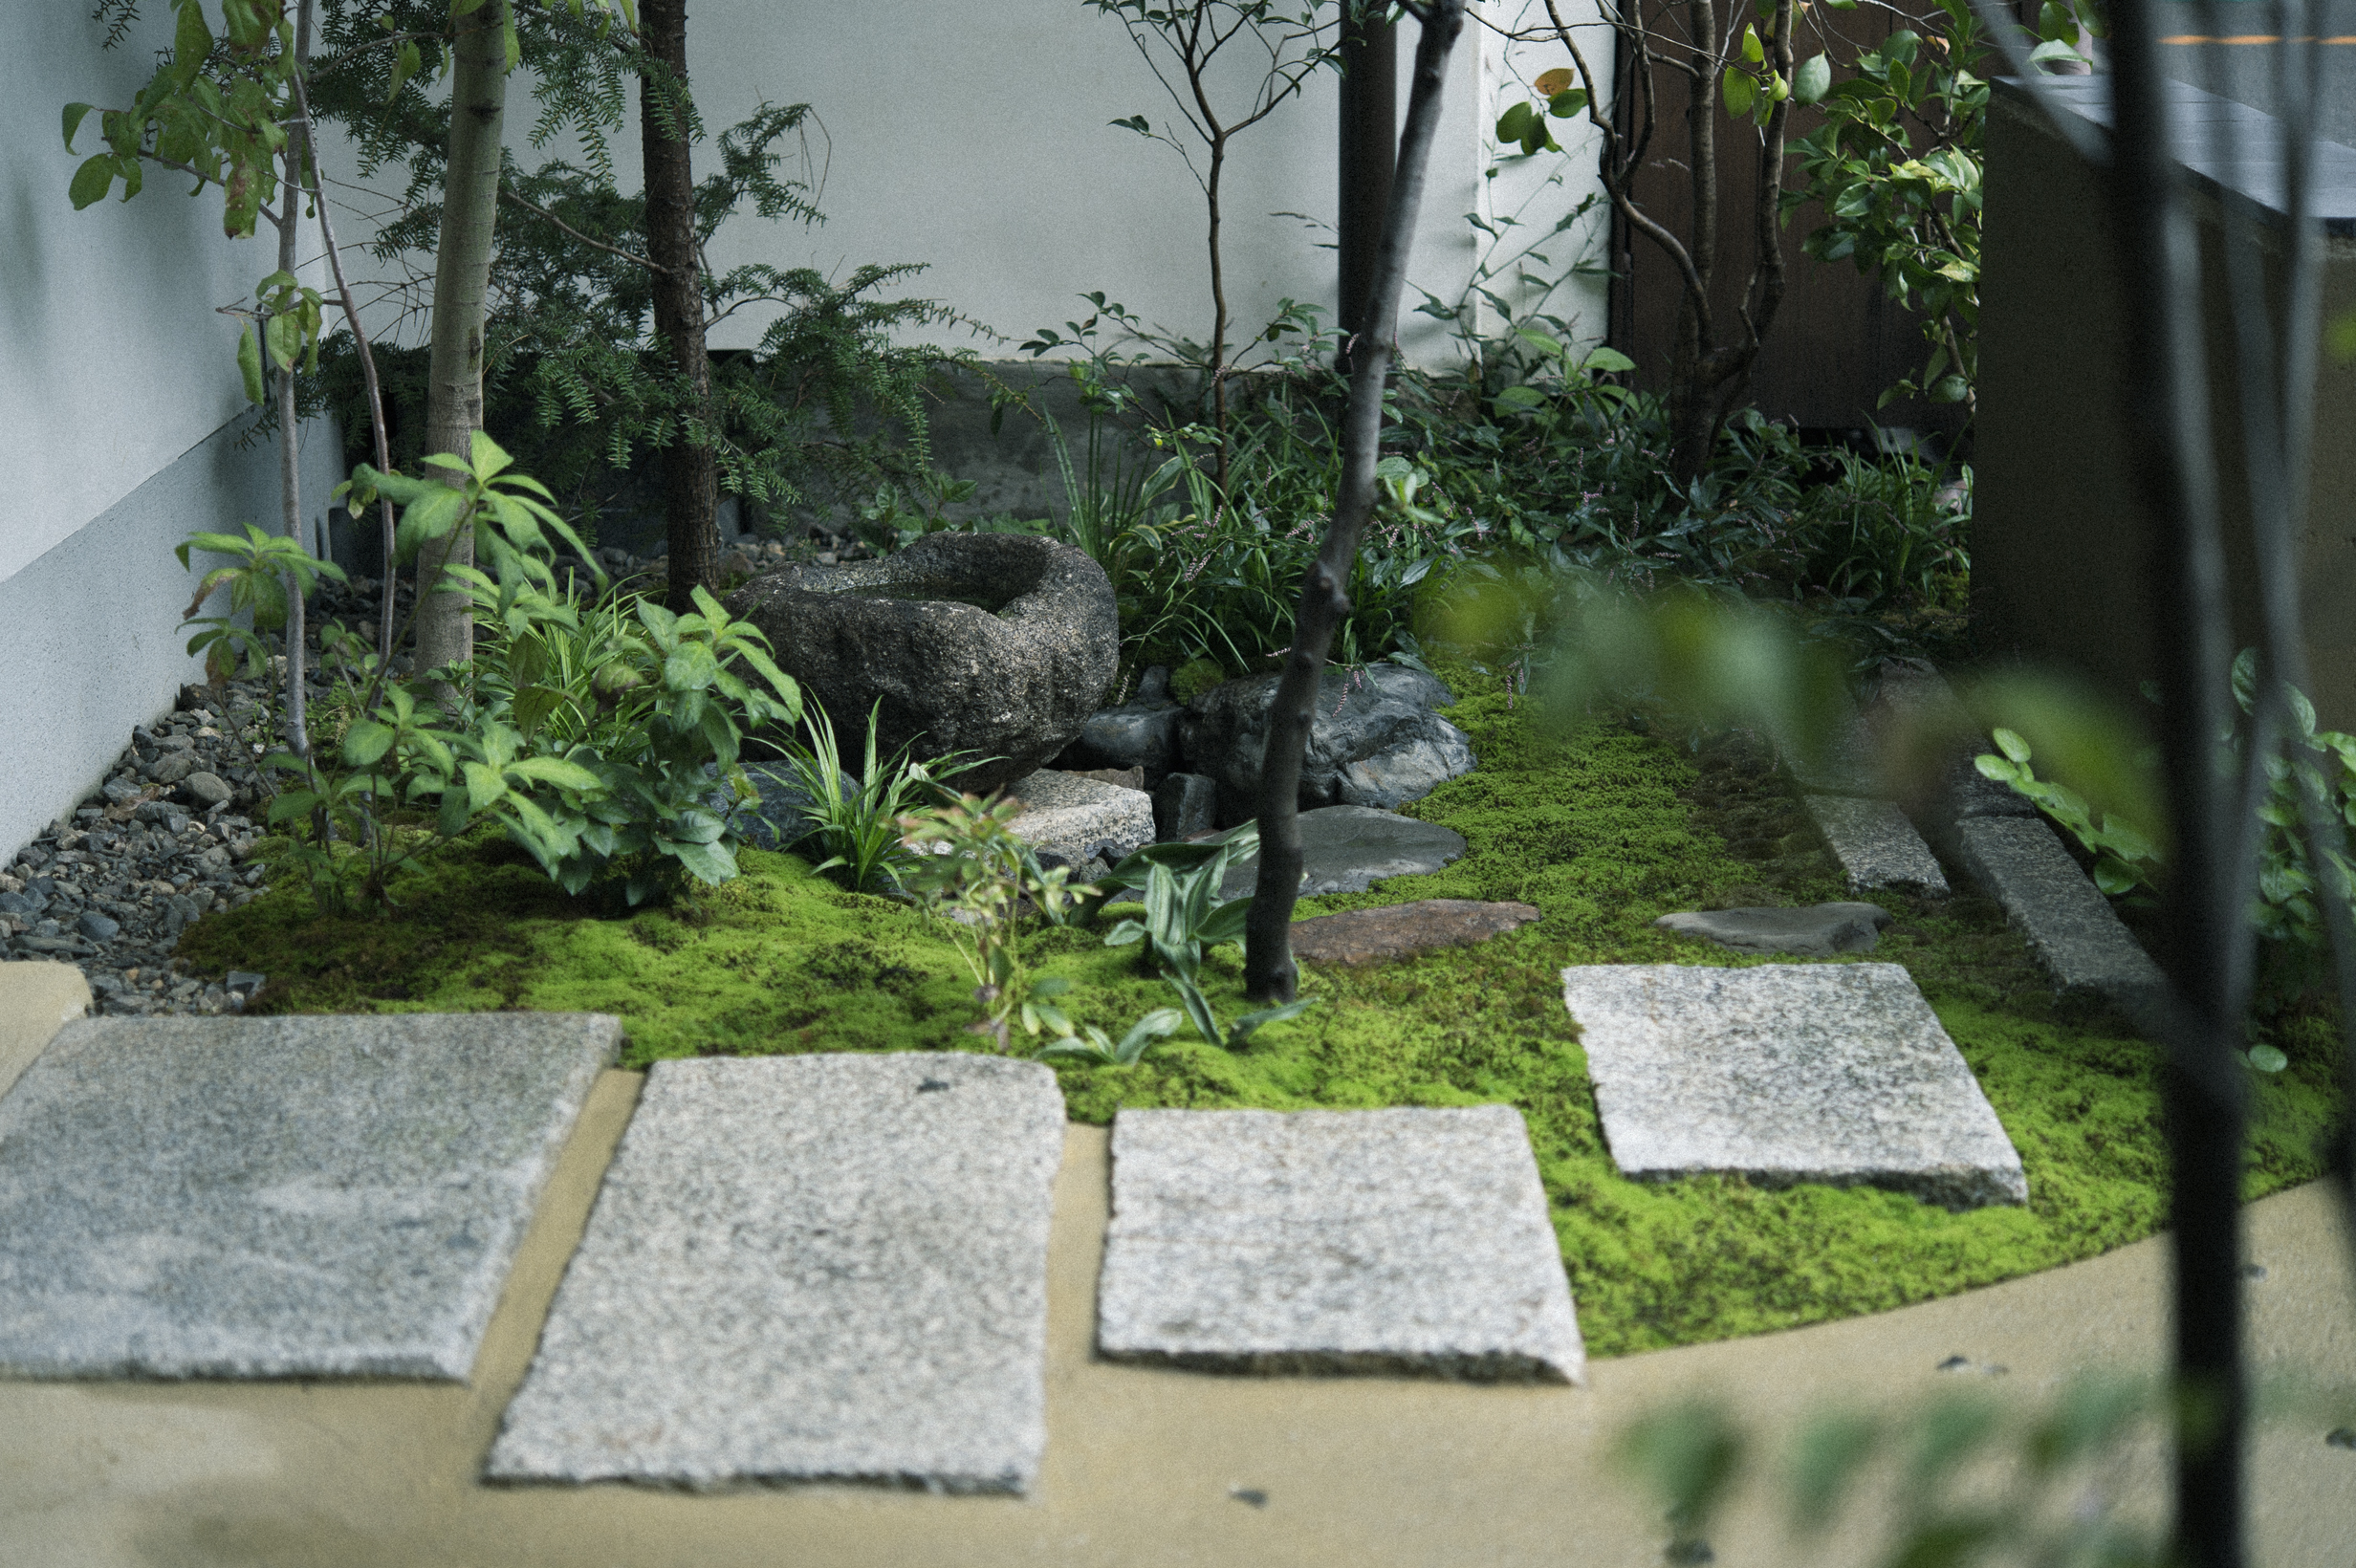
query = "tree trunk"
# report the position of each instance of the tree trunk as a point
(289, 465)
(690, 478)
(1268, 971)
(1369, 153)
(460, 286)
(2166, 410)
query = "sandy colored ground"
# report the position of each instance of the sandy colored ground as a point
(1143, 1466)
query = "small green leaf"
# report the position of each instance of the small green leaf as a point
(2267, 1058)
(1813, 80)
(1740, 90)
(92, 182)
(2010, 743)
(1567, 105)
(250, 362)
(73, 113)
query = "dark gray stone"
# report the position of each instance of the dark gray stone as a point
(1876, 845)
(808, 1268)
(278, 1197)
(206, 790)
(2069, 924)
(22, 904)
(1787, 1072)
(1375, 740)
(1185, 805)
(996, 644)
(1347, 849)
(1817, 931)
(781, 817)
(1403, 930)
(1136, 734)
(96, 926)
(1405, 1240)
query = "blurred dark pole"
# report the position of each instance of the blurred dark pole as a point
(1369, 154)
(2166, 416)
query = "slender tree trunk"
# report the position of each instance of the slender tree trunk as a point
(2164, 385)
(368, 364)
(1368, 152)
(1218, 307)
(290, 457)
(1692, 406)
(690, 478)
(1268, 971)
(460, 286)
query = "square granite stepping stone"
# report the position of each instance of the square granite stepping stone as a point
(1407, 1240)
(278, 1197)
(808, 1268)
(1788, 1073)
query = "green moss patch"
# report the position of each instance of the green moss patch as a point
(1602, 830)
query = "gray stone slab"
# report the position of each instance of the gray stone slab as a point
(1843, 764)
(808, 1268)
(1817, 931)
(1335, 1241)
(278, 1197)
(1788, 1073)
(2069, 925)
(1876, 845)
(1070, 820)
(1347, 849)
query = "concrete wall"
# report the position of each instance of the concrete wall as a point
(977, 141)
(2061, 554)
(117, 391)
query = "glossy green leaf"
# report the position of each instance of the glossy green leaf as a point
(1813, 78)
(1740, 90)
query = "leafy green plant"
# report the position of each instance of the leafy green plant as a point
(1921, 1477)
(1183, 915)
(1098, 1050)
(2124, 856)
(972, 867)
(260, 566)
(860, 830)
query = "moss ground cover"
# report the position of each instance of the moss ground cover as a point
(1602, 828)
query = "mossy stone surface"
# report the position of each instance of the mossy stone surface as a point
(1602, 828)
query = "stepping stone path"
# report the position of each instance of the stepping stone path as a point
(278, 1197)
(806, 1268)
(1346, 849)
(1402, 930)
(1335, 1241)
(2069, 925)
(1786, 1073)
(1876, 845)
(1817, 931)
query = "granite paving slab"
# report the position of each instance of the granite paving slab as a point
(1346, 849)
(278, 1197)
(2069, 925)
(1816, 931)
(807, 1267)
(1876, 845)
(1402, 930)
(1788, 1073)
(1070, 819)
(1408, 1240)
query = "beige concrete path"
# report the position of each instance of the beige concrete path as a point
(1143, 1467)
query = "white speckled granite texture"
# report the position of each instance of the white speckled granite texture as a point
(1788, 1073)
(808, 1268)
(1402, 1240)
(278, 1197)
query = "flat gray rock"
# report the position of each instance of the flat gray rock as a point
(1788, 1073)
(1818, 930)
(1876, 845)
(807, 1267)
(278, 1197)
(1335, 1241)
(1069, 819)
(1347, 849)
(2069, 925)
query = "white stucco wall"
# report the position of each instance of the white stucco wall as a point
(116, 384)
(977, 140)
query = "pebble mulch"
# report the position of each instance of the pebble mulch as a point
(169, 836)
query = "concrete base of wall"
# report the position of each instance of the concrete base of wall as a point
(88, 632)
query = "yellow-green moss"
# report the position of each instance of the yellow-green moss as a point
(1600, 830)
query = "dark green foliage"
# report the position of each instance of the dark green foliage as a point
(826, 408)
